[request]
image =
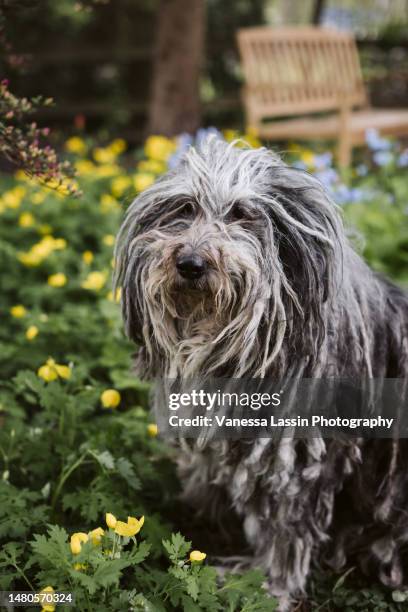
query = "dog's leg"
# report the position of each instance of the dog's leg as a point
(290, 510)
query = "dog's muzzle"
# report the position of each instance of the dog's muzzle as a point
(191, 266)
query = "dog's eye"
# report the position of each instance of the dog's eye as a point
(240, 212)
(185, 210)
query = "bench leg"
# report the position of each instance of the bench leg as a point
(344, 150)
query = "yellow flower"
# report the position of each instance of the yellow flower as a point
(63, 371)
(77, 539)
(41, 250)
(94, 281)
(47, 607)
(96, 535)
(118, 146)
(109, 240)
(87, 257)
(79, 566)
(142, 181)
(230, 135)
(151, 165)
(104, 155)
(57, 280)
(29, 259)
(26, 219)
(129, 529)
(119, 185)
(116, 297)
(39, 197)
(18, 312)
(60, 244)
(197, 556)
(111, 520)
(152, 430)
(51, 371)
(110, 398)
(47, 373)
(84, 166)
(106, 170)
(108, 202)
(307, 157)
(159, 148)
(31, 332)
(75, 145)
(62, 187)
(13, 197)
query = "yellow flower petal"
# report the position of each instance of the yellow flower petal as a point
(159, 148)
(109, 240)
(94, 281)
(75, 145)
(123, 529)
(57, 280)
(87, 257)
(47, 607)
(47, 373)
(18, 311)
(110, 398)
(96, 535)
(32, 332)
(135, 524)
(142, 181)
(119, 185)
(26, 219)
(110, 520)
(152, 430)
(197, 556)
(76, 542)
(79, 566)
(63, 371)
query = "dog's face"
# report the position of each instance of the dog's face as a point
(220, 248)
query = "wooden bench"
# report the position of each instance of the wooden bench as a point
(304, 70)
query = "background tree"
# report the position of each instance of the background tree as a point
(178, 60)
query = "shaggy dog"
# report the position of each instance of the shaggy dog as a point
(235, 265)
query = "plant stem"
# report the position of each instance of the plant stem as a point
(64, 477)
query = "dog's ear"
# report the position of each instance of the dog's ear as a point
(126, 277)
(309, 233)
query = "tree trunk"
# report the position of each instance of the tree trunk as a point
(175, 98)
(318, 9)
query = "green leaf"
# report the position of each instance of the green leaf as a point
(178, 547)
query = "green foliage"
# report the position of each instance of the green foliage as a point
(65, 458)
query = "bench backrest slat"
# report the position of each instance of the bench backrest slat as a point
(299, 70)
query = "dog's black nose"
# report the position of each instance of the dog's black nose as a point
(190, 266)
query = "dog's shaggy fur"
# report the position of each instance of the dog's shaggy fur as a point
(283, 295)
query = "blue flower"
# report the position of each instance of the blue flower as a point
(324, 160)
(347, 195)
(362, 170)
(184, 141)
(375, 142)
(403, 159)
(203, 133)
(383, 158)
(328, 177)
